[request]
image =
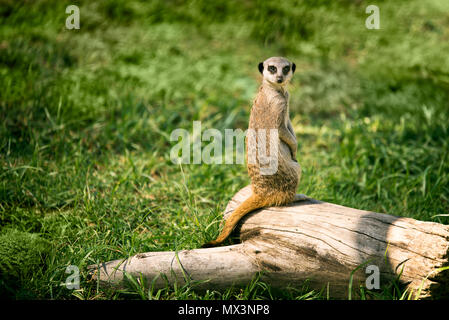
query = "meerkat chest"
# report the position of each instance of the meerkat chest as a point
(269, 108)
(280, 107)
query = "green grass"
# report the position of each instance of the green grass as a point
(86, 116)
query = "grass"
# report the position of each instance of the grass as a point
(86, 116)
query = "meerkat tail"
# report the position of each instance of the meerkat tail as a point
(250, 204)
(300, 197)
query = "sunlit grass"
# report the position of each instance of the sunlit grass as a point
(86, 116)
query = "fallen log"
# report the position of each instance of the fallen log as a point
(323, 243)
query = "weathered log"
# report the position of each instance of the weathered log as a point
(323, 243)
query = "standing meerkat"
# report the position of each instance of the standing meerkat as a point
(269, 113)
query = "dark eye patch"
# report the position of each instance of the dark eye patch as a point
(285, 70)
(272, 69)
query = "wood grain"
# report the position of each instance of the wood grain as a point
(313, 241)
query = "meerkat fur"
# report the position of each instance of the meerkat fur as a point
(270, 110)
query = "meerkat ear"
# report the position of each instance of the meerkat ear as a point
(293, 67)
(261, 67)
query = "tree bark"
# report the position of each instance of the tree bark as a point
(323, 243)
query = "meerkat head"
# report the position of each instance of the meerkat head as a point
(277, 70)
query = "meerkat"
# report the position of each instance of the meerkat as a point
(270, 111)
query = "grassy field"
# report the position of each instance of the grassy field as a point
(86, 117)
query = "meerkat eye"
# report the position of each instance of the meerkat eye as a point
(285, 70)
(272, 69)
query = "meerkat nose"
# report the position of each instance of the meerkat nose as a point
(279, 80)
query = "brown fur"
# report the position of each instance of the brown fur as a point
(270, 111)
